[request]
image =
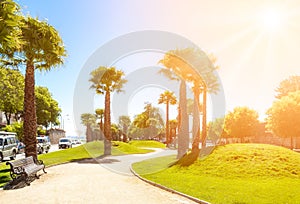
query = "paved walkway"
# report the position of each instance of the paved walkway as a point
(90, 182)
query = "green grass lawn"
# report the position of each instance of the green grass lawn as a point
(147, 143)
(89, 150)
(236, 173)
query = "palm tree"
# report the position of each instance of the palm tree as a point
(177, 63)
(88, 120)
(191, 65)
(167, 98)
(43, 48)
(204, 81)
(106, 80)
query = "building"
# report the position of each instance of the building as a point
(55, 134)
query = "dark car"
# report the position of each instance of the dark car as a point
(21, 147)
(64, 143)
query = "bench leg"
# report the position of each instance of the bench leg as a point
(44, 170)
(37, 176)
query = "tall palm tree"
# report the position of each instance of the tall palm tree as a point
(204, 81)
(177, 63)
(167, 98)
(192, 65)
(88, 120)
(42, 48)
(106, 80)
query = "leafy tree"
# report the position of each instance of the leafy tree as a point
(115, 132)
(124, 123)
(100, 114)
(106, 80)
(241, 122)
(150, 121)
(47, 109)
(88, 120)
(215, 129)
(16, 127)
(10, 19)
(284, 116)
(173, 126)
(42, 49)
(12, 93)
(288, 85)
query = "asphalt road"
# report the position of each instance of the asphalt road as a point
(54, 147)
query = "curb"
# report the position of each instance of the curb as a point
(168, 189)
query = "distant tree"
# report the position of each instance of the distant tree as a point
(88, 120)
(11, 94)
(106, 80)
(173, 129)
(124, 123)
(16, 127)
(215, 129)
(47, 109)
(115, 132)
(100, 115)
(167, 98)
(241, 122)
(284, 116)
(287, 86)
(150, 121)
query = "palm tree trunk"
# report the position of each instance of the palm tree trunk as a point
(204, 132)
(107, 125)
(196, 120)
(30, 126)
(183, 134)
(167, 125)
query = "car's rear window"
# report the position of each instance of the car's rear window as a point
(64, 140)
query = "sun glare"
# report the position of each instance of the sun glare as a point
(272, 19)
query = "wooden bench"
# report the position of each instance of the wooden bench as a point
(25, 167)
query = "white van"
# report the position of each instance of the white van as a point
(8, 145)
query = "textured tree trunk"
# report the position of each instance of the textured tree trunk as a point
(168, 139)
(204, 132)
(30, 126)
(183, 133)
(7, 117)
(196, 120)
(107, 125)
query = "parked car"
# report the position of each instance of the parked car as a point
(20, 147)
(42, 145)
(8, 145)
(64, 143)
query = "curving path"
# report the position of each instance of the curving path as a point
(91, 181)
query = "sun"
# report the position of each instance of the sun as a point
(272, 19)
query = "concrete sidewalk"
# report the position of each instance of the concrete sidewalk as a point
(89, 183)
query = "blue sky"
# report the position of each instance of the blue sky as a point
(254, 52)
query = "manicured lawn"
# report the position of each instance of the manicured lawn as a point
(237, 173)
(89, 150)
(147, 143)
